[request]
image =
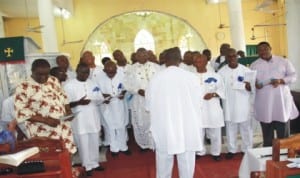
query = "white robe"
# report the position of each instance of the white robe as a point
(137, 77)
(114, 112)
(174, 98)
(238, 105)
(212, 111)
(189, 68)
(88, 118)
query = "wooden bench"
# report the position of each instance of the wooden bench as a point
(54, 155)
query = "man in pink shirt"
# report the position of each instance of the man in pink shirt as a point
(274, 105)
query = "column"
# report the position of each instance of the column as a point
(46, 16)
(293, 29)
(2, 32)
(236, 24)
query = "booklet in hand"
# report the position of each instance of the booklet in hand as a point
(69, 116)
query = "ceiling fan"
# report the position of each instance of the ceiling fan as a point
(29, 28)
(64, 41)
(221, 25)
(265, 7)
(254, 37)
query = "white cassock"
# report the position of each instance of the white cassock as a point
(238, 105)
(174, 98)
(137, 77)
(122, 70)
(86, 124)
(114, 113)
(95, 74)
(189, 68)
(213, 116)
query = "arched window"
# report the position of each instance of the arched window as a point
(144, 39)
(183, 45)
(101, 51)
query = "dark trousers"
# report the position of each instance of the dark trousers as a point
(282, 131)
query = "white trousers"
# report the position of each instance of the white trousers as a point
(118, 139)
(215, 141)
(246, 133)
(185, 161)
(88, 147)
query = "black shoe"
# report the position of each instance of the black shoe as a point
(198, 156)
(143, 150)
(127, 152)
(114, 154)
(99, 168)
(229, 155)
(89, 173)
(216, 158)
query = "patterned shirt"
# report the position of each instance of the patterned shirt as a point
(47, 99)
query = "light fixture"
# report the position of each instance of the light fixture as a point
(61, 12)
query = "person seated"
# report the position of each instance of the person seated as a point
(40, 103)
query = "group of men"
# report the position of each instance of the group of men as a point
(173, 103)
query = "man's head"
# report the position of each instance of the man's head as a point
(88, 58)
(231, 57)
(133, 58)
(62, 61)
(200, 61)
(188, 58)
(152, 57)
(40, 69)
(241, 53)
(142, 55)
(110, 68)
(105, 60)
(119, 57)
(83, 72)
(162, 58)
(59, 73)
(173, 56)
(264, 50)
(207, 53)
(223, 48)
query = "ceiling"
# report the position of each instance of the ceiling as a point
(28, 8)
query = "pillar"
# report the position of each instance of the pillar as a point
(46, 16)
(236, 24)
(293, 30)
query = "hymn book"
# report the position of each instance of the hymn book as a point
(16, 159)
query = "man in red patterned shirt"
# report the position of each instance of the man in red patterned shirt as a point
(40, 102)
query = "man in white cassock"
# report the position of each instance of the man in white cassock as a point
(174, 98)
(238, 105)
(212, 112)
(113, 108)
(84, 96)
(136, 81)
(96, 72)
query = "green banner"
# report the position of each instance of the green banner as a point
(12, 50)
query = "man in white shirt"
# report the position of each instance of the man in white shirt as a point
(212, 112)
(238, 105)
(113, 108)
(173, 99)
(62, 61)
(84, 95)
(220, 61)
